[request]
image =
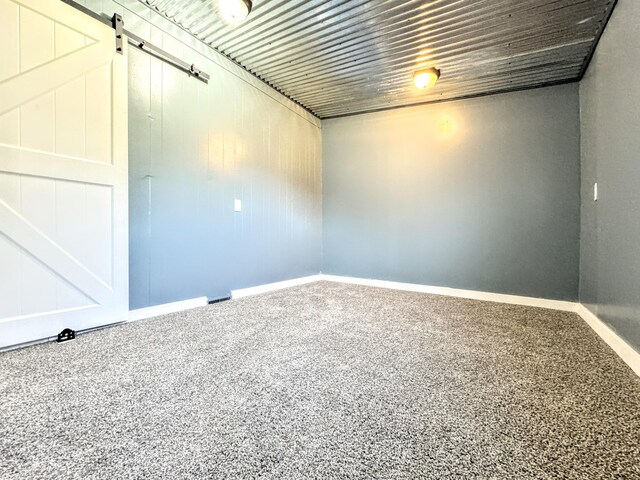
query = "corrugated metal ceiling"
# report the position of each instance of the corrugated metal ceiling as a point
(343, 57)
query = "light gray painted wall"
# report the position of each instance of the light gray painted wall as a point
(610, 237)
(479, 194)
(193, 149)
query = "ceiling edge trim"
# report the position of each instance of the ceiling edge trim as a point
(235, 62)
(457, 99)
(599, 33)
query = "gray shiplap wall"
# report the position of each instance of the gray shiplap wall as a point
(610, 235)
(193, 149)
(480, 194)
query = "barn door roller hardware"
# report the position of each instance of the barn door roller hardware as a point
(117, 23)
(157, 52)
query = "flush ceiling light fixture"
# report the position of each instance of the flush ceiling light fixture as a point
(235, 11)
(426, 78)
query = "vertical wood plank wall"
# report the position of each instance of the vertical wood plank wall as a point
(193, 149)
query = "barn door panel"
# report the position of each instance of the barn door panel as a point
(63, 172)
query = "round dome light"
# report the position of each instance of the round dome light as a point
(426, 78)
(235, 11)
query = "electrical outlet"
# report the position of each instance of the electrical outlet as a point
(237, 205)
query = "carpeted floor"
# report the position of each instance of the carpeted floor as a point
(325, 381)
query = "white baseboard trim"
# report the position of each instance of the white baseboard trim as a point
(270, 287)
(625, 351)
(165, 308)
(456, 292)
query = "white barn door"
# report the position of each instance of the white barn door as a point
(63, 172)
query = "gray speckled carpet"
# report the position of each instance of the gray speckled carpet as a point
(325, 381)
